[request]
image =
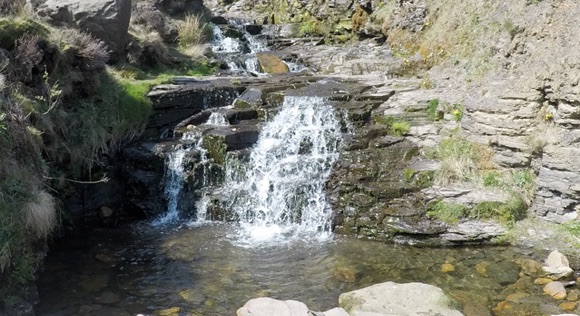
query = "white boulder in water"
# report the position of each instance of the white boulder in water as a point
(390, 299)
(557, 266)
(265, 306)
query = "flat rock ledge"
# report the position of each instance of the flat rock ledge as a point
(384, 299)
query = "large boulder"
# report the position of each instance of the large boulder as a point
(389, 298)
(107, 20)
(265, 306)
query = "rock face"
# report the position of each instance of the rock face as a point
(107, 20)
(386, 299)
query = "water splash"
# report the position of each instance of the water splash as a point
(279, 194)
(217, 119)
(224, 44)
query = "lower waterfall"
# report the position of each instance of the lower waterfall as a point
(279, 192)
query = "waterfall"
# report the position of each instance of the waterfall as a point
(175, 174)
(279, 193)
(174, 178)
(239, 53)
(217, 119)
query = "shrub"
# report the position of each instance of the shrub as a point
(12, 29)
(28, 54)
(81, 49)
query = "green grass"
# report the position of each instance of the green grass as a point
(397, 127)
(491, 179)
(400, 128)
(459, 160)
(432, 110)
(447, 212)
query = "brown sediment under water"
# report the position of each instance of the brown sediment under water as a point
(140, 269)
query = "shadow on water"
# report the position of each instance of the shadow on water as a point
(200, 271)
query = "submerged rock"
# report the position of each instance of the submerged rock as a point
(556, 290)
(408, 299)
(557, 266)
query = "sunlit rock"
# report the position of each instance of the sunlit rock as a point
(265, 306)
(389, 298)
(557, 266)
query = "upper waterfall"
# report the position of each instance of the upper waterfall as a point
(280, 191)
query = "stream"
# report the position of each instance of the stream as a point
(200, 270)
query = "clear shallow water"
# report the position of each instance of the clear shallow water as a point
(140, 269)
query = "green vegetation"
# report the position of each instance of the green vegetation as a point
(422, 178)
(312, 27)
(459, 160)
(61, 109)
(506, 213)
(400, 128)
(433, 110)
(397, 127)
(447, 212)
(464, 161)
(216, 148)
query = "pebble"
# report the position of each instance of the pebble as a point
(556, 290)
(542, 281)
(447, 267)
(568, 306)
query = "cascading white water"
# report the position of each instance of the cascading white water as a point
(280, 192)
(231, 50)
(174, 178)
(217, 119)
(175, 174)
(223, 44)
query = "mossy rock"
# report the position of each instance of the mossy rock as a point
(271, 64)
(216, 148)
(13, 29)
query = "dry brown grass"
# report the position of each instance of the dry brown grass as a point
(41, 215)
(195, 51)
(191, 31)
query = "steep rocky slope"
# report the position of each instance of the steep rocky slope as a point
(511, 67)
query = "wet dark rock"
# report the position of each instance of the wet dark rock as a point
(236, 116)
(238, 137)
(174, 103)
(251, 98)
(253, 29)
(219, 20)
(143, 168)
(504, 272)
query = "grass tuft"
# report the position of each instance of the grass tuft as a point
(40, 212)
(192, 31)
